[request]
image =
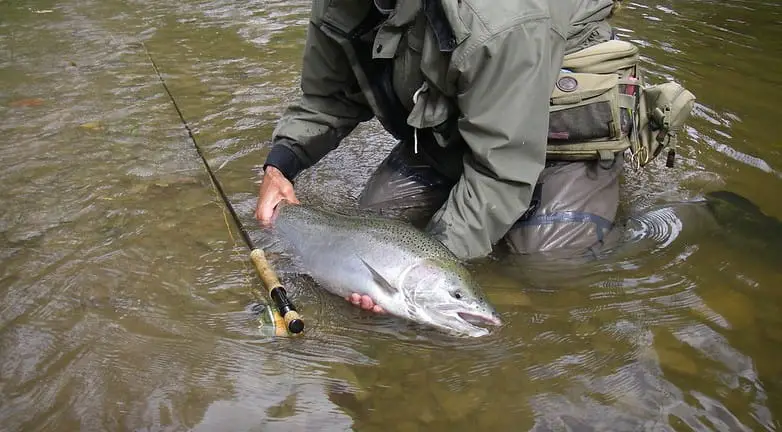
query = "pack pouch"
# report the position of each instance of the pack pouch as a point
(593, 102)
(600, 106)
(663, 111)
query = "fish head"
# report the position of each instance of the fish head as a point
(445, 295)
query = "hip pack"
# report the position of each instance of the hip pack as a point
(600, 106)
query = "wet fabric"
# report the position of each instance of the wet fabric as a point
(406, 186)
(476, 75)
(573, 206)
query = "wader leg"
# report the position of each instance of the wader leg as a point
(573, 208)
(405, 186)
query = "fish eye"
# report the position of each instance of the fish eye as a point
(457, 295)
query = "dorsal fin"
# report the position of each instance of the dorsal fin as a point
(381, 281)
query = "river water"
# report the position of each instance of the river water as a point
(125, 293)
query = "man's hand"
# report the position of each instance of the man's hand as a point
(365, 302)
(274, 188)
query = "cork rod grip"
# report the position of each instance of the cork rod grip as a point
(277, 292)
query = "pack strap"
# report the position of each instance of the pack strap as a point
(602, 224)
(665, 136)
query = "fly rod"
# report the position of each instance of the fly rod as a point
(285, 307)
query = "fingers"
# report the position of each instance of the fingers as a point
(274, 188)
(264, 210)
(365, 302)
(292, 197)
(266, 203)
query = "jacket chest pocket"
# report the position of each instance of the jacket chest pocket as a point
(434, 110)
(434, 106)
(407, 75)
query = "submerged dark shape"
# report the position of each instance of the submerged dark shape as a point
(742, 219)
(732, 209)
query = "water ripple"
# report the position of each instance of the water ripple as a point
(125, 295)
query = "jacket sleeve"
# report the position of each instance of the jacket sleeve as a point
(504, 91)
(330, 107)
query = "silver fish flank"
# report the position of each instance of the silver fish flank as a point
(405, 271)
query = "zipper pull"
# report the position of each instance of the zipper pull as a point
(423, 89)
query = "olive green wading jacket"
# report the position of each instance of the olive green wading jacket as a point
(483, 72)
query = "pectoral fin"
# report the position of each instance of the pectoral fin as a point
(381, 281)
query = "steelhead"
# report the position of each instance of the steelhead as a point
(406, 272)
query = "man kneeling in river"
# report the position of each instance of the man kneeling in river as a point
(465, 87)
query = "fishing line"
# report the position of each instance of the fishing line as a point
(277, 292)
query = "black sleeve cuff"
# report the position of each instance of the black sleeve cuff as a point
(285, 160)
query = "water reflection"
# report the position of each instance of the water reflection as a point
(124, 294)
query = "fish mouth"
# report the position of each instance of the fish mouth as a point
(466, 323)
(463, 321)
(480, 319)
